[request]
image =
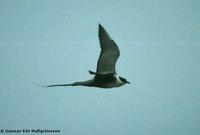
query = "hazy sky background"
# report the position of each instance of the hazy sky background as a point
(50, 42)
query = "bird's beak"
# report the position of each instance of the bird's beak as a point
(128, 82)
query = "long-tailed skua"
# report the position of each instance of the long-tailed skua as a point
(105, 75)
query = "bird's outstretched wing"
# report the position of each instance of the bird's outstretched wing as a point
(109, 53)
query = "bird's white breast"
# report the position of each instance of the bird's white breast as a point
(118, 81)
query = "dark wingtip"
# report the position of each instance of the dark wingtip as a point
(91, 72)
(100, 26)
(101, 29)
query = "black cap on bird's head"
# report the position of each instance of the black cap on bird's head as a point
(123, 80)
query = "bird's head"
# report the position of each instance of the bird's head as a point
(123, 80)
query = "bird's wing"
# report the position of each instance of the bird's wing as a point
(109, 53)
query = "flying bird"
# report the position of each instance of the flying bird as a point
(105, 75)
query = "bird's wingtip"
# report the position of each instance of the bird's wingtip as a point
(100, 26)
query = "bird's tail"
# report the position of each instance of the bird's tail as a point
(54, 85)
(86, 83)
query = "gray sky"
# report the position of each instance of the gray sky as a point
(49, 42)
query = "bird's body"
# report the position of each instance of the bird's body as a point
(101, 81)
(105, 75)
